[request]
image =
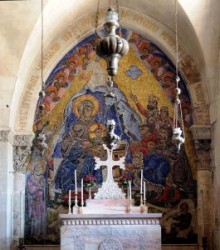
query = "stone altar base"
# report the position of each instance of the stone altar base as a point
(109, 226)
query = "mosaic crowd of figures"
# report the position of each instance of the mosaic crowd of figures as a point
(76, 110)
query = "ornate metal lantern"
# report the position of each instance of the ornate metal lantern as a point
(112, 47)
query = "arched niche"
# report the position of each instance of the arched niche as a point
(73, 141)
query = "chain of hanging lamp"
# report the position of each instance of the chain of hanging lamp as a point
(178, 134)
(42, 44)
(40, 139)
(42, 91)
(97, 17)
(97, 12)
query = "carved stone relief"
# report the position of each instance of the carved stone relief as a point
(4, 135)
(110, 244)
(20, 156)
(21, 150)
(106, 238)
(21, 140)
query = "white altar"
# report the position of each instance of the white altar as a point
(110, 224)
(128, 231)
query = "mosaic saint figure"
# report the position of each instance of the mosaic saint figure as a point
(36, 199)
(76, 145)
(152, 106)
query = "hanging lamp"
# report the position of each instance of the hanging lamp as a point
(112, 47)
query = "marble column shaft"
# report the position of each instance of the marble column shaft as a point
(202, 139)
(15, 150)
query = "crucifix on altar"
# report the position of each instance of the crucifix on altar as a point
(110, 188)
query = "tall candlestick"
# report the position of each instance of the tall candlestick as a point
(20, 214)
(75, 174)
(82, 192)
(144, 190)
(69, 202)
(141, 181)
(129, 183)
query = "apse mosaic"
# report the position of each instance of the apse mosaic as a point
(73, 117)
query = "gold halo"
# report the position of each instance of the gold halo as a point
(82, 98)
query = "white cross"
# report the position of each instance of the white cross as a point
(110, 163)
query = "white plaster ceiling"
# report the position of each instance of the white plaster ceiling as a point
(20, 36)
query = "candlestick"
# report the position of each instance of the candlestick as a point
(75, 208)
(69, 202)
(82, 192)
(20, 214)
(129, 206)
(144, 191)
(141, 191)
(129, 183)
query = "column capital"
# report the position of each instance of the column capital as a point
(202, 136)
(20, 139)
(21, 144)
(201, 132)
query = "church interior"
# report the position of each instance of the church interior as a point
(104, 100)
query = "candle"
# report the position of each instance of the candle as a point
(144, 190)
(129, 183)
(69, 196)
(82, 192)
(141, 181)
(75, 182)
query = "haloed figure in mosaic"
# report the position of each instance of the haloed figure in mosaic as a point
(76, 146)
(36, 199)
(79, 132)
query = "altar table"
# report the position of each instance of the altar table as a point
(128, 231)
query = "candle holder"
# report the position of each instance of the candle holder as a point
(69, 212)
(142, 206)
(75, 207)
(141, 199)
(90, 193)
(80, 210)
(129, 206)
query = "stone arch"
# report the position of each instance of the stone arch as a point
(57, 44)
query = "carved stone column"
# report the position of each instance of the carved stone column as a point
(21, 146)
(202, 139)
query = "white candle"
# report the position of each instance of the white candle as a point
(144, 190)
(75, 182)
(129, 183)
(141, 181)
(69, 196)
(82, 192)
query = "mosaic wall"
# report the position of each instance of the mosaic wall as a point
(73, 117)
